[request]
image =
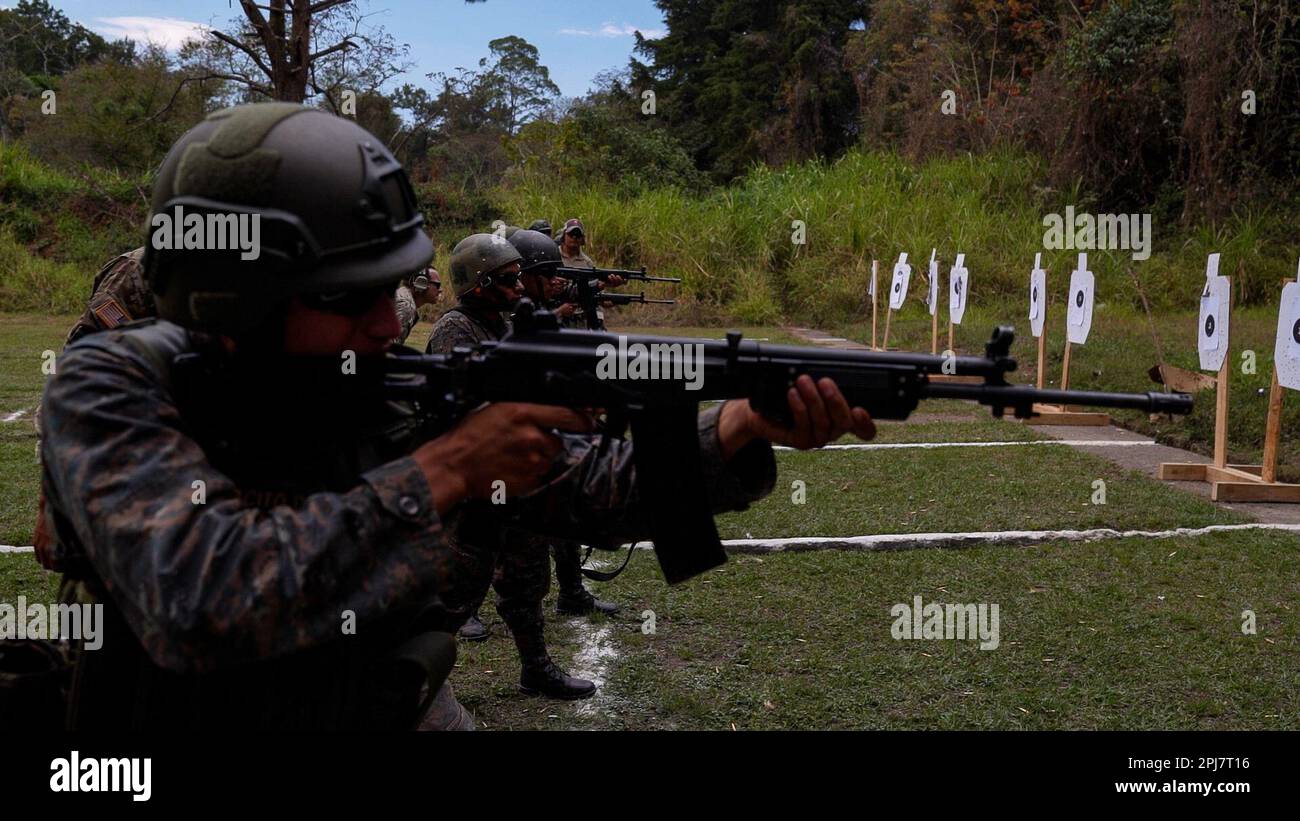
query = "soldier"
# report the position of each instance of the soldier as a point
(572, 238)
(486, 273)
(265, 534)
(415, 292)
(543, 226)
(541, 257)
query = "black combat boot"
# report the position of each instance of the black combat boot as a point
(543, 678)
(581, 603)
(473, 630)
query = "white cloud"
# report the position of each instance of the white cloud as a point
(614, 30)
(168, 32)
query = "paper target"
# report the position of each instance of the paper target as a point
(871, 288)
(1037, 296)
(958, 290)
(898, 287)
(1082, 293)
(1286, 351)
(1212, 331)
(932, 301)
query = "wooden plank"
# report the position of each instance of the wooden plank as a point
(889, 314)
(1255, 492)
(960, 380)
(934, 332)
(1071, 418)
(1182, 472)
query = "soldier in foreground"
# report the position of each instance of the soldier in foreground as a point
(264, 534)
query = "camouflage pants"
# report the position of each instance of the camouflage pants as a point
(519, 570)
(568, 568)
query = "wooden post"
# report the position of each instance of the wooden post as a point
(934, 332)
(1221, 415)
(874, 279)
(1272, 430)
(951, 347)
(1065, 368)
(1042, 355)
(889, 314)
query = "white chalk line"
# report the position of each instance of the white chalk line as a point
(1078, 443)
(901, 541)
(16, 416)
(904, 541)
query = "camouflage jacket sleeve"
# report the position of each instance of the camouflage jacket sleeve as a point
(120, 296)
(220, 582)
(594, 496)
(408, 313)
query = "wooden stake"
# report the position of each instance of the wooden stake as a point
(950, 345)
(1272, 430)
(1042, 356)
(1065, 368)
(889, 314)
(874, 270)
(1221, 416)
(934, 332)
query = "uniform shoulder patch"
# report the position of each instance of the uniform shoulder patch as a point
(109, 312)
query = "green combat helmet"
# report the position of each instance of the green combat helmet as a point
(539, 252)
(476, 257)
(542, 227)
(261, 202)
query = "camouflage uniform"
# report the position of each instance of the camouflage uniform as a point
(408, 313)
(516, 565)
(119, 295)
(227, 612)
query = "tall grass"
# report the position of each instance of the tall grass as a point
(734, 247)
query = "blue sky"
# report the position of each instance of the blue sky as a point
(576, 38)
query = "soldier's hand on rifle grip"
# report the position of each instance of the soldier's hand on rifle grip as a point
(820, 413)
(506, 441)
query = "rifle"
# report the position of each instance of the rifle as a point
(628, 299)
(655, 384)
(603, 274)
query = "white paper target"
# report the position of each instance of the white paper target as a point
(871, 288)
(958, 290)
(1286, 351)
(1037, 296)
(1212, 330)
(898, 287)
(932, 301)
(1082, 293)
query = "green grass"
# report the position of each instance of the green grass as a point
(1119, 351)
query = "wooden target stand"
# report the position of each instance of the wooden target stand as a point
(1238, 483)
(1068, 415)
(875, 288)
(934, 349)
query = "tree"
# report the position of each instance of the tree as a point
(521, 84)
(298, 50)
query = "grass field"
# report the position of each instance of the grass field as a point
(1125, 633)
